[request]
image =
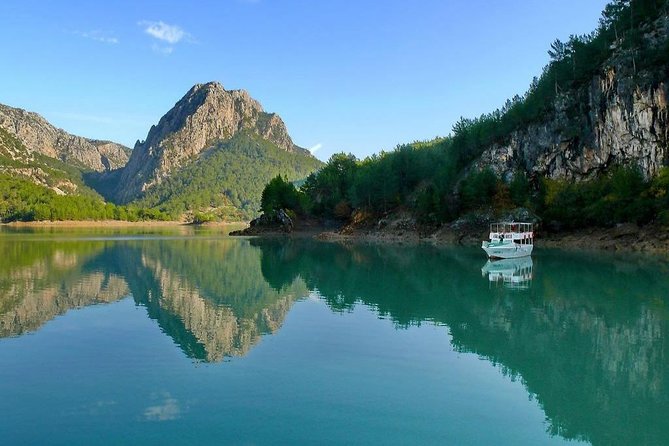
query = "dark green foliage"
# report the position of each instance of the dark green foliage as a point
(519, 189)
(228, 178)
(22, 200)
(331, 184)
(621, 196)
(478, 189)
(280, 194)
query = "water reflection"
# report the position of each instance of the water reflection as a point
(588, 338)
(211, 309)
(511, 273)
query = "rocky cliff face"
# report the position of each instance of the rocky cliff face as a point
(37, 135)
(206, 114)
(622, 118)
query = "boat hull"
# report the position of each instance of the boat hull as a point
(507, 251)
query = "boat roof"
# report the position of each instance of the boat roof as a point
(510, 224)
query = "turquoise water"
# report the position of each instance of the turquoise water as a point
(181, 336)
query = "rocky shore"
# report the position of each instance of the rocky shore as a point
(403, 229)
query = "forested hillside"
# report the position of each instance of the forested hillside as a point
(585, 145)
(37, 187)
(226, 181)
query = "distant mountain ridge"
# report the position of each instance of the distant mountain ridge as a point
(39, 136)
(205, 115)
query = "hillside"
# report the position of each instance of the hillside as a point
(227, 178)
(586, 145)
(17, 161)
(40, 137)
(34, 186)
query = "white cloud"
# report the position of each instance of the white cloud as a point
(162, 31)
(315, 148)
(98, 36)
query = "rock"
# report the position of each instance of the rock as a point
(277, 221)
(39, 136)
(622, 118)
(623, 229)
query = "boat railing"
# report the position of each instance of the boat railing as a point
(522, 233)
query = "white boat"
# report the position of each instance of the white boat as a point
(509, 240)
(513, 273)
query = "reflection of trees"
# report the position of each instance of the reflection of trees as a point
(588, 340)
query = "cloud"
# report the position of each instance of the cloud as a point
(315, 148)
(167, 409)
(98, 36)
(162, 31)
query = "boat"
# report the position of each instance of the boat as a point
(512, 273)
(509, 240)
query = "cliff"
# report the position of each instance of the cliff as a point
(207, 114)
(39, 136)
(620, 117)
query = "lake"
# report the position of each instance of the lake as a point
(186, 336)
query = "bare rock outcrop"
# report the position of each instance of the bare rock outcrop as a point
(39, 136)
(620, 117)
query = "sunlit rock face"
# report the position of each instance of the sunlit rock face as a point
(622, 118)
(39, 136)
(206, 114)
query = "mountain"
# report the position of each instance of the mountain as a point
(227, 178)
(212, 152)
(17, 161)
(39, 136)
(206, 116)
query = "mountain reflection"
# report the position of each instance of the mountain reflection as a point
(588, 338)
(209, 296)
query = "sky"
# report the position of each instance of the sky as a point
(356, 76)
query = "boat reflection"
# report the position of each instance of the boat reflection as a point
(510, 273)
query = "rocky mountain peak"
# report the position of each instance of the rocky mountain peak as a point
(206, 114)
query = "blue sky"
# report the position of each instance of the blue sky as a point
(356, 76)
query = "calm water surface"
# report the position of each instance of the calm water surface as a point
(190, 337)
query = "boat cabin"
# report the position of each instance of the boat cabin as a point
(519, 233)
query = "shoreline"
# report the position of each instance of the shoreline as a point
(113, 224)
(622, 238)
